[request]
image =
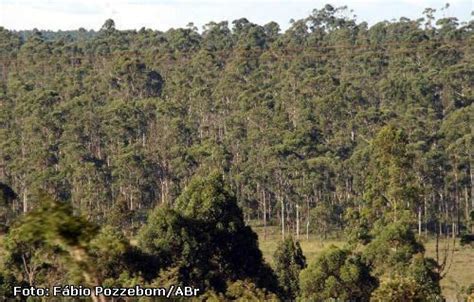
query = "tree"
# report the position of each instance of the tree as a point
(330, 116)
(51, 245)
(337, 274)
(289, 261)
(398, 289)
(398, 261)
(391, 185)
(108, 250)
(108, 26)
(132, 79)
(325, 218)
(44, 238)
(200, 242)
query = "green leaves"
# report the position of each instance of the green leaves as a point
(393, 247)
(202, 239)
(337, 274)
(41, 241)
(391, 185)
(398, 260)
(53, 222)
(208, 200)
(289, 261)
(329, 117)
(390, 264)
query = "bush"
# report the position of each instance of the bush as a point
(337, 274)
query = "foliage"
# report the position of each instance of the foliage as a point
(358, 226)
(399, 289)
(247, 291)
(393, 247)
(330, 116)
(337, 274)
(201, 241)
(390, 186)
(289, 261)
(330, 113)
(397, 259)
(41, 242)
(326, 217)
(108, 250)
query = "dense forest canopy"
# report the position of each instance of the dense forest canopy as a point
(329, 126)
(129, 116)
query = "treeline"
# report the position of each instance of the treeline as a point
(327, 121)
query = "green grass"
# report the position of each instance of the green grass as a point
(460, 275)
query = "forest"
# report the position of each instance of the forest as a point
(142, 157)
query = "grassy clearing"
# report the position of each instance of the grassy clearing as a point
(311, 248)
(460, 274)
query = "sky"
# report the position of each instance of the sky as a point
(165, 14)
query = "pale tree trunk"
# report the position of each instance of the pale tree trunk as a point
(466, 204)
(162, 191)
(307, 218)
(264, 216)
(425, 211)
(166, 190)
(457, 204)
(441, 205)
(282, 218)
(30, 271)
(270, 211)
(288, 226)
(25, 200)
(297, 222)
(471, 175)
(419, 221)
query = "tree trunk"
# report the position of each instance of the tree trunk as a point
(162, 191)
(25, 200)
(454, 230)
(419, 221)
(425, 211)
(297, 222)
(307, 218)
(466, 204)
(264, 216)
(457, 205)
(282, 203)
